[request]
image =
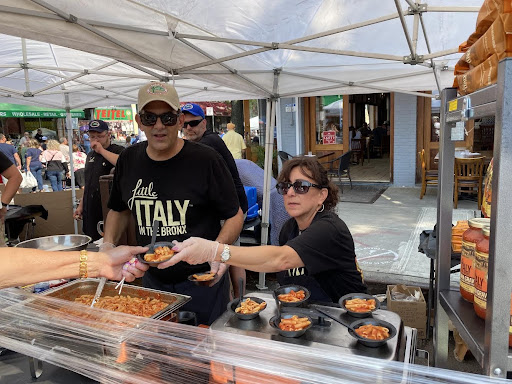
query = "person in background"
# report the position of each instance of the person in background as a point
(316, 248)
(256, 140)
(43, 142)
(235, 142)
(39, 135)
(23, 266)
(252, 176)
(128, 141)
(64, 148)
(12, 180)
(25, 139)
(79, 160)
(183, 186)
(33, 163)
(55, 164)
(99, 162)
(194, 127)
(9, 151)
(87, 142)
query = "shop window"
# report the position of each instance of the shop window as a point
(329, 119)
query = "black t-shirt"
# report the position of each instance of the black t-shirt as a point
(327, 250)
(189, 194)
(213, 140)
(5, 163)
(95, 166)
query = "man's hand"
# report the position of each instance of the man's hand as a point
(194, 250)
(77, 215)
(96, 146)
(219, 269)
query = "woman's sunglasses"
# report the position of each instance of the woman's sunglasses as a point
(300, 187)
(192, 123)
(169, 118)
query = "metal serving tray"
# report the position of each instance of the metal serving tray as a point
(76, 288)
(331, 335)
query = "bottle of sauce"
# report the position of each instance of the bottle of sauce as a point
(481, 269)
(467, 257)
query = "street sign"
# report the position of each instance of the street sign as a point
(209, 111)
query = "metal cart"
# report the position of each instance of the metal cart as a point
(488, 341)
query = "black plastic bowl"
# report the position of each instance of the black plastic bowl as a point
(201, 283)
(287, 315)
(351, 296)
(155, 263)
(286, 289)
(234, 304)
(369, 342)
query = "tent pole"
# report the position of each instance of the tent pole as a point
(269, 147)
(24, 65)
(69, 129)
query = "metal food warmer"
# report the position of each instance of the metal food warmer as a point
(325, 332)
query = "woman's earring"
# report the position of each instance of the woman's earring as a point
(322, 209)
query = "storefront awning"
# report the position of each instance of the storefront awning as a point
(27, 111)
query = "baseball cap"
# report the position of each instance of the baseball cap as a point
(98, 126)
(193, 109)
(156, 91)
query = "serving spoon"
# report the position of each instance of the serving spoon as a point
(241, 288)
(156, 224)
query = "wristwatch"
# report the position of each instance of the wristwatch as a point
(225, 255)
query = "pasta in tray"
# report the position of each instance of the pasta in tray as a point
(146, 307)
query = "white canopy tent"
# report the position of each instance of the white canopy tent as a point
(98, 53)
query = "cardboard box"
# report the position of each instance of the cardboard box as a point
(60, 211)
(413, 313)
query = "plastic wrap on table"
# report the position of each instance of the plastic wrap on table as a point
(120, 348)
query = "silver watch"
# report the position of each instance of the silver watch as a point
(225, 255)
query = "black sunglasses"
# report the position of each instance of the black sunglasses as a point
(300, 187)
(167, 118)
(192, 123)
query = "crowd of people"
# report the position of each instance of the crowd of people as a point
(191, 186)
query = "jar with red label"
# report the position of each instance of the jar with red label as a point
(481, 273)
(467, 257)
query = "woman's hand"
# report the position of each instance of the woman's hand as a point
(194, 250)
(121, 262)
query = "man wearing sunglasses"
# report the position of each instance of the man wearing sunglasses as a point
(100, 161)
(194, 128)
(183, 186)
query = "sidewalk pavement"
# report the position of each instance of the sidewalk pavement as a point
(386, 234)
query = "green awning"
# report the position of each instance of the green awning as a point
(17, 110)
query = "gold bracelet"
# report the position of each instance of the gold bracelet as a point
(82, 271)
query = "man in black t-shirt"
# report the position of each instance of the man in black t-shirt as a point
(184, 186)
(39, 135)
(99, 162)
(10, 173)
(195, 130)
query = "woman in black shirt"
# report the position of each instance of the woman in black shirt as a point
(316, 248)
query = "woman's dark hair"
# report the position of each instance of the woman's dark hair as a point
(310, 167)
